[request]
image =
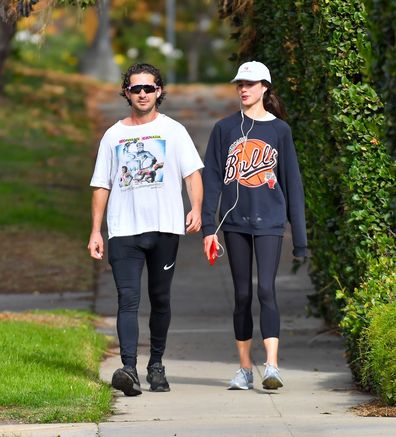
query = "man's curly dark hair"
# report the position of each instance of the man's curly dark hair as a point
(143, 68)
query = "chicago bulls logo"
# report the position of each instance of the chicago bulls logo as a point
(252, 165)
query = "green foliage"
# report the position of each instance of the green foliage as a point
(323, 66)
(80, 3)
(382, 62)
(140, 35)
(57, 52)
(50, 368)
(378, 344)
(377, 289)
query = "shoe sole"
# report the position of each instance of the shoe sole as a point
(122, 381)
(272, 383)
(237, 387)
(159, 390)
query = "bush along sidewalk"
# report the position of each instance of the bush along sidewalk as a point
(50, 368)
(378, 345)
(329, 73)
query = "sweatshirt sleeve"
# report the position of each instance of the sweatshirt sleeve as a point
(212, 176)
(293, 191)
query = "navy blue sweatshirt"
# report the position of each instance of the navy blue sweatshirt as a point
(270, 190)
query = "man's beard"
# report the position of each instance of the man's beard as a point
(145, 111)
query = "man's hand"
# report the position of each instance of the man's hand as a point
(95, 245)
(195, 193)
(207, 242)
(193, 222)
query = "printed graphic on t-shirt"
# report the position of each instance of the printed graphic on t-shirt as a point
(251, 163)
(140, 162)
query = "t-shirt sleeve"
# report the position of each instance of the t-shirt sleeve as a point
(190, 160)
(102, 173)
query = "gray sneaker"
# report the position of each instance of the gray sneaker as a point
(243, 380)
(272, 379)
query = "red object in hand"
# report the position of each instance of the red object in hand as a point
(213, 253)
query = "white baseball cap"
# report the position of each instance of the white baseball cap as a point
(253, 71)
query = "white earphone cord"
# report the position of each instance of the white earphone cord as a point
(245, 138)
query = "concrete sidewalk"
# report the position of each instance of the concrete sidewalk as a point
(201, 356)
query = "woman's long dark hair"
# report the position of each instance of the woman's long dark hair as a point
(273, 103)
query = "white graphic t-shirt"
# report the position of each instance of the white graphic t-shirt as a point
(143, 166)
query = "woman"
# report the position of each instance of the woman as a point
(251, 162)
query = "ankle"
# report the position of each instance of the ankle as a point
(153, 361)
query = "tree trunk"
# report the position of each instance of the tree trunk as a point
(193, 62)
(7, 32)
(98, 60)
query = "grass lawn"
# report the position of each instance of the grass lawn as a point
(47, 148)
(50, 367)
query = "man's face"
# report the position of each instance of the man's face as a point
(143, 102)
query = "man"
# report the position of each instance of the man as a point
(144, 217)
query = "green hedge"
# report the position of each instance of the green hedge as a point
(378, 345)
(322, 63)
(382, 28)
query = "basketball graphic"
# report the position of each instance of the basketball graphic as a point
(251, 163)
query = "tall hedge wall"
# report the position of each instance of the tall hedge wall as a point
(327, 63)
(382, 31)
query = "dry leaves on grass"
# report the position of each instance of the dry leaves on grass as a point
(374, 408)
(41, 319)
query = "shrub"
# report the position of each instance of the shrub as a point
(378, 344)
(377, 291)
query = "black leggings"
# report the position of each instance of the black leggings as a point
(126, 257)
(240, 254)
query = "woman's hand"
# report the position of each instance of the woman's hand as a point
(207, 243)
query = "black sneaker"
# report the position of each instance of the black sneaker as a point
(156, 378)
(127, 380)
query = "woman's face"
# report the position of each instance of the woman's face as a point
(250, 92)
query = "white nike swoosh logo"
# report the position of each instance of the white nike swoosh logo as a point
(166, 267)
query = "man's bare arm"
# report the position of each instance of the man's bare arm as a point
(98, 206)
(195, 193)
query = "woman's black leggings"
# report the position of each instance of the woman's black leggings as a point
(240, 254)
(127, 256)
